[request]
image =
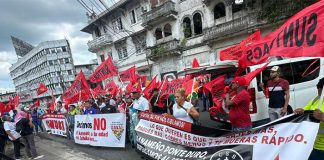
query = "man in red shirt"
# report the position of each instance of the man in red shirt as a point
(239, 106)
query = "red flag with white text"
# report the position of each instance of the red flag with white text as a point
(79, 86)
(105, 70)
(128, 75)
(300, 36)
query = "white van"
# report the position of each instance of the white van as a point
(302, 73)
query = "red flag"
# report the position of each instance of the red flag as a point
(98, 91)
(195, 63)
(79, 85)
(2, 108)
(16, 101)
(41, 89)
(235, 52)
(35, 104)
(248, 77)
(111, 88)
(190, 86)
(216, 87)
(128, 75)
(105, 70)
(148, 90)
(300, 36)
(172, 86)
(52, 106)
(141, 79)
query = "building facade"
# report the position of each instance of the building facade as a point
(49, 62)
(162, 37)
(87, 70)
(5, 97)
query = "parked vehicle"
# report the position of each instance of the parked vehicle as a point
(302, 73)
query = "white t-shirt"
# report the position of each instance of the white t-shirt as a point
(180, 113)
(61, 110)
(112, 102)
(9, 126)
(141, 104)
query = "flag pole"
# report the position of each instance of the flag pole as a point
(159, 91)
(193, 83)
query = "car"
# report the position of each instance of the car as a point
(302, 73)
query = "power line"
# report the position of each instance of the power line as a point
(95, 6)
(99, 5)
(85, 7)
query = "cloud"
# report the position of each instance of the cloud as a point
(41, 20)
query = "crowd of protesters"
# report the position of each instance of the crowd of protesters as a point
(184, 107)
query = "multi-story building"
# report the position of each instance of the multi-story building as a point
(87, 70)
(5, 97)
(49, 62)
(164, 36)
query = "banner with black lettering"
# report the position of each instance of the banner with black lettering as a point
(55, 124)
(289, 138)
(106, 130)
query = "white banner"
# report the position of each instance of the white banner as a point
(285, 141)
(55, 124)
(107, 130)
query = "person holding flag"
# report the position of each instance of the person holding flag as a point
(239, 106)
(312, 105)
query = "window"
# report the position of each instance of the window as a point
(237, 7)
(120, 53)
(55, 62)
(121, 50)
(50, 62)
(102, 58)
(132, 16)
(219, 11)
(47, 51)
(138, 13)
(59, 50)
(125, 51)
(53, 74)
(118, 26)
(304, 71)
(197, 23)
(53, 50)
(158, 33)
(167, 30)
(61, 61)
(58, 73)
(140, 43)
(187, 27)
(64, 49)
(105, 29)
(66, 60)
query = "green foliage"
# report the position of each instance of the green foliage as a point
(158, 51)
(276, 10)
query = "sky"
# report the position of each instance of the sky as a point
(35, 21)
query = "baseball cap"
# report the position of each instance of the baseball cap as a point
(275, 68)
(239, 80)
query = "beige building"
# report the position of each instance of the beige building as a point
(163, 36)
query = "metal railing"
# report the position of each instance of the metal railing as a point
(230, 27)
(160, 11)
(99, 42)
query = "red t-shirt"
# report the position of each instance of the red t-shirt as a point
(239, 114)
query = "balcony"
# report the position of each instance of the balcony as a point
(162, 13)
(164, 49)
(99, 42)
(219, 31)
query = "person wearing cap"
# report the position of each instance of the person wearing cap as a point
(13, 135)
(312, 105)
(140, 103)
(73, 110)
(278, 94)
(239, 106)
